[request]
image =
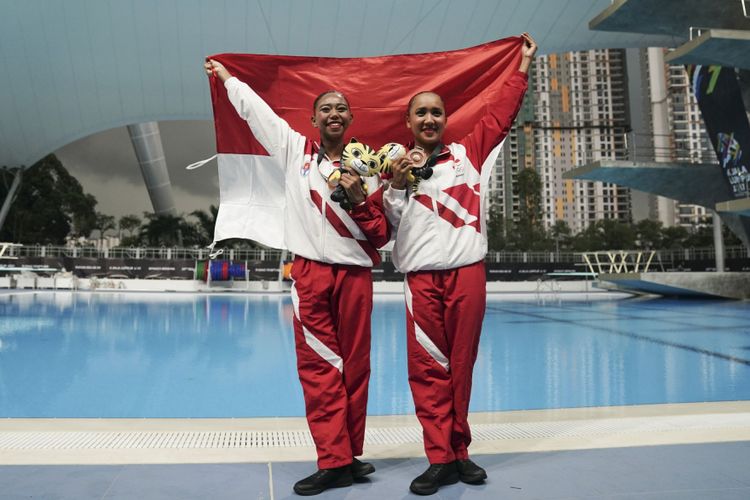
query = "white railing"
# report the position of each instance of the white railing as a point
(4, 247)
(15, 251)
(619, 261)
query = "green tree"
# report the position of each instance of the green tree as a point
(50, 205)
(192, 234)
(496, 228)
(161, 230)
(677, 237)
(703, 236)
(528, 233)
(529, 186)
(560, 235)
(130, 223)
(104, 223)
(606, 234)
(206, 223)
(649, 234)
(618, 235)
(589, 239)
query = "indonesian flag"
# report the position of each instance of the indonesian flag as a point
(378, 89)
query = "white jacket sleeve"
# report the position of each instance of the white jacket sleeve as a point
(269, 129)
(394, 203)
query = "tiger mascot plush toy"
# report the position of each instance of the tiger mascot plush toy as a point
(392, 152)
(362, 159)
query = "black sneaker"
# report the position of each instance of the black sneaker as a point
(434, 477)
(469, 472)
(361, 469)
(324, 479)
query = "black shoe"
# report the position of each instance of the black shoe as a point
(324, 479)
(361, 469)
(434, 477)
(469, 472)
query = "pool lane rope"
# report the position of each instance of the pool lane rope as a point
(219, 270)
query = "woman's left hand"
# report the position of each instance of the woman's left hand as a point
(529, 46)
(528, 51)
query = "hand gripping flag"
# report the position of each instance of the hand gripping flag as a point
(378, 90)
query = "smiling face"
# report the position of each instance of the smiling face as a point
(426, 119)
(332, 116)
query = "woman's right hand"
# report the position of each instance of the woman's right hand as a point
(215, 68)
(401, 169)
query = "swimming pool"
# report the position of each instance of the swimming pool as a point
(154, 355)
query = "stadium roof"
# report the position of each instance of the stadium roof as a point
(76, 67)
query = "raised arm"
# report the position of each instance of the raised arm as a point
(528, 52)
(269, 129)
(496, 123)
(215, 68)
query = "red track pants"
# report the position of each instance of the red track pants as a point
(332, 309)
(444, 313)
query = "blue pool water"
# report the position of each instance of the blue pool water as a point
(182, 355)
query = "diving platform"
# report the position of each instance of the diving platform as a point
(740, 206)
(729, 285)
(730, 48)
(672, 17)
(693, 183)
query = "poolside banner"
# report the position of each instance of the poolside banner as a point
(720, 101)
(378, 90)
(113, 270)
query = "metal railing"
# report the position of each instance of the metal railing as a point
(636, 147)
(13, 251)
(619, 261)
(166, 253)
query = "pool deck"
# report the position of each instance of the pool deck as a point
(675, 451)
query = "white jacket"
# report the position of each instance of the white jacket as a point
(443, 224)
(314, 226)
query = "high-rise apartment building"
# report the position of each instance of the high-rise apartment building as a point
(517, 153)
(577, 112)
(692, 143)
(583, 107)
(668, 128)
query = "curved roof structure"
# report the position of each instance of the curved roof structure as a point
(76, 67)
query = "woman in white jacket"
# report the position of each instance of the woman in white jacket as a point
(335, 250)
(440, 245)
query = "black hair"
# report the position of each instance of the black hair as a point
(411, 101)
(315, 102)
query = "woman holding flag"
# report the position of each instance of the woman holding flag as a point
(335, 250)
(440, 245)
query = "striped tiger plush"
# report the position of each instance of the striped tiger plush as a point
(388, 155)
(362, 159)
(392, 152)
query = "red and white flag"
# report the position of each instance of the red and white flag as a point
(378, 90)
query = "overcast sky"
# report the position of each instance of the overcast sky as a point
(106, 166)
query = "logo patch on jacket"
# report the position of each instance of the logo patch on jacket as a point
(459, 167)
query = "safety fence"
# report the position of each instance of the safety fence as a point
(263, 264)
(13, 250)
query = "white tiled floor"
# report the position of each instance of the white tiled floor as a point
(134, 441)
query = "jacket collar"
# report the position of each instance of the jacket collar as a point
(444, 151)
